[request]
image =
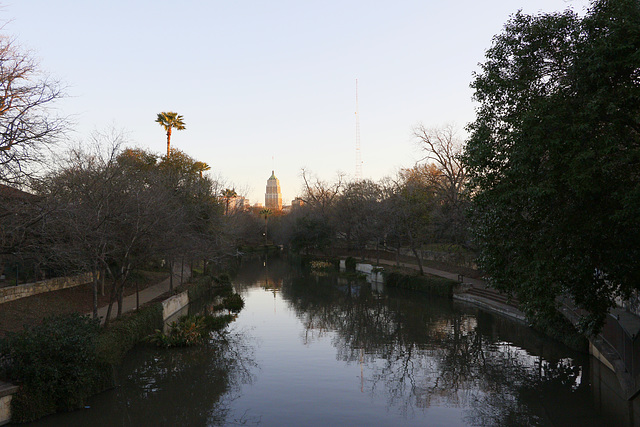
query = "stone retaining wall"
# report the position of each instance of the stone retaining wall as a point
(6, 394)
(11, 293)
(174, 304)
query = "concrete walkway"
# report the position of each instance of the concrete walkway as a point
(433, 271)
(148, 294)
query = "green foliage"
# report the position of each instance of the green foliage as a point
(124, 333)
(223, 279)
(350, 263)
(200, 287)
(559, 328)
(190, 330)
(54, 363)
(233, 303)
(429, 284)
(218, 323)
(553, 158)
(310, 232)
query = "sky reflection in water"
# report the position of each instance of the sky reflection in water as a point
(317, 350)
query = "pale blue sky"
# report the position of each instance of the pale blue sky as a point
(256, 79)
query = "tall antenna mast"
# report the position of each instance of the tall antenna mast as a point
(358, 154)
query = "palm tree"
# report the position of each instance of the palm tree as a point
(266, 213)
(170, 120)
(228, 195)
(201, 167)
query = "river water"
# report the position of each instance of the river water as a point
(318, 350)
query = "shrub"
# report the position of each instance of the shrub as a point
(223, 279)
(124, 333)
(200, 287)
(350, 263)
(560, 328)
(218, 323)
(233, 303)
(54, 363)
(190, 330)
(430, 284)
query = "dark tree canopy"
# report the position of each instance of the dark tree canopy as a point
(554, 158)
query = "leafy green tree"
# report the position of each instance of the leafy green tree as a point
(169, 121)
(554, 155)
(411, 206)
(310, 231)
(356, 214)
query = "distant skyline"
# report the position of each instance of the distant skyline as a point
(258, 80)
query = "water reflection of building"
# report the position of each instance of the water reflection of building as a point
(270, 284)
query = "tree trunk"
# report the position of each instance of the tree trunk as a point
(112, 299)
(120, 298)
(182, 271)
(171, 275)
(94, 276)
(168, 142)
(415, 252)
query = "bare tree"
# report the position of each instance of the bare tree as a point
(109, 215)
(26, 122)
(443, 149)
(445, 172)
(320, 194)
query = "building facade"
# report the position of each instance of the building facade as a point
(273, 196)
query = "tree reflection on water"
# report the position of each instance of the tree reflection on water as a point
(191, 386)
(204, 379)
(420, 354)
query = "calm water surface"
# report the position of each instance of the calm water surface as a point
(314, 350)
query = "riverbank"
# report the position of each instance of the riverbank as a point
(64, 360)
(471, 289)
(396, 358)
(616, 347)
